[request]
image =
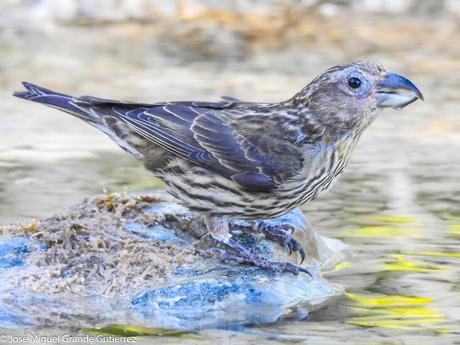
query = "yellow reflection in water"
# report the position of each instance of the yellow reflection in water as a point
(382, 231)
(388, 218)
(133, 331)
(342, 265)
(401, 262)
(455, 229)
(395, 311)
(386, 225)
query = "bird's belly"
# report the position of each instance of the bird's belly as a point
(206, 192)
(209, 193)
(229, 200)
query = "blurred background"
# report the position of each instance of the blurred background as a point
(398, 204)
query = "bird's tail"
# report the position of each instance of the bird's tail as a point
(75, 106)
(96, 111)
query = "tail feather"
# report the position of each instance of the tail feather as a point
(69, 104)
(96, 111)
(35, 91)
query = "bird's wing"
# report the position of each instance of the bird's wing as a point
(206, 134)
(259, 159)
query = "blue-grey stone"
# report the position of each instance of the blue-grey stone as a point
(64, 285)
(14, 250)
(227, 296)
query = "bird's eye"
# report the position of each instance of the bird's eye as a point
(354, 83)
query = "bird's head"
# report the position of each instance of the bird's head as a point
(348, 96)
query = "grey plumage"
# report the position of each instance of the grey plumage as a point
(241, 160)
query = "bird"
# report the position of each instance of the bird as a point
(237, 160)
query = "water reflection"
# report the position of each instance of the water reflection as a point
(398, 205)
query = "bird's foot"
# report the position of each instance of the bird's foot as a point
(243, 255)
(279, 234)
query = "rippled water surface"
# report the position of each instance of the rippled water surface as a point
(397, 206)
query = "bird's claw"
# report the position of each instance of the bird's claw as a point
(243, 255)
(280, 235)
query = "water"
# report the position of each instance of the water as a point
(397, 206)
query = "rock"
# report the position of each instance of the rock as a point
(142, 260)
(14, 250)
(230, 296)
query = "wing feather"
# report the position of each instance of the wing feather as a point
(211, 137)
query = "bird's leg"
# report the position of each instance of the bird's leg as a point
(244, 255)
(279, 234)
(236, 251)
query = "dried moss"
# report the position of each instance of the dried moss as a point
(90, 252)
